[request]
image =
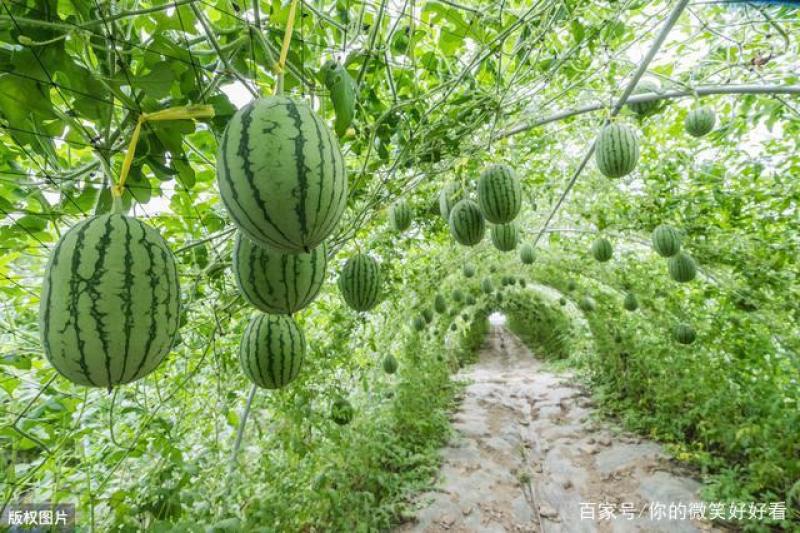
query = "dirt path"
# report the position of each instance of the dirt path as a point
(528, 458)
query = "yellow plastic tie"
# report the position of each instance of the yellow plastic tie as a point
(189, 112)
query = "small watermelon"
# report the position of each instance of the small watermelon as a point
(360, 282)
(400, 216)
(700, 121)
(470, 299)
(587, 304)
(681, 267)
(419, 323)
(389, 364)
(631, 303)
(666, 241)
(617, 150)
(486, 286)
(272, 350)
(602, 250)
(342, 411)
(504, 236)
(571, 285)
(684, 334)
(469, 270)
(527, 254)
(458, 296)
(562, 301)
(466, 223)
(499, 194)
(440, 304)
(645, 109)
(427, 315)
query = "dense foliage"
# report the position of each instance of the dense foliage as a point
(423, 98)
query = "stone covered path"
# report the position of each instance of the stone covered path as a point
(528, 457)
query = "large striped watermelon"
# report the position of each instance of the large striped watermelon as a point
(504, 236)
(602, 250)
(360, 282)
(281, 174)
(699, 121)
(617, 150)
(466, 223)
(272, 350)
(276, 282)
(681, 267)
(527, 254)
(400, 215)
(666, 241)
(499, 194)
(110, 303)
(449, 196)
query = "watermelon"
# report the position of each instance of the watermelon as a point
(110, 304)
(527, 254)
(522, 283)
(617, 150)
(389, 364)
(419, 323)
(448, 198)
(281, 174)
(275, 282)
(486, 286)
(646, 108)
(699, 121)
(666, 241)
(466, 223)
(360, 282)
(341, 411)
(630, 303)
(440, 304)
(587, 304)
(684, 334)
(681, 267)
(427, 315)
(562, 301)
(470, 299)
(499, 194)
(504, 236)
(571, 285)
(400, 216)
(465, 316)
(499, 297)
(458, 296)
(469, 270)
(493, 269)
(602, 250)
(453, 326)
(272, 350)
